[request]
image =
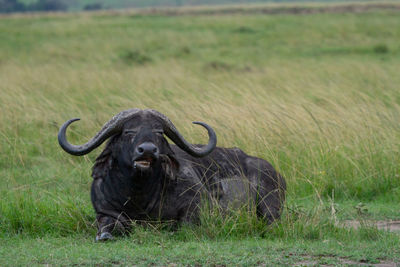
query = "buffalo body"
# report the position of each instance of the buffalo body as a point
(140, 177)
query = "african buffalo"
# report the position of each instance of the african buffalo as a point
(140, 177)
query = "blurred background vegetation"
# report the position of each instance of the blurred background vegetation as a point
(9, 6)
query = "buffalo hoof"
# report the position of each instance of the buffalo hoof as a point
(106, 236)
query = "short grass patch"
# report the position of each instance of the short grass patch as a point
(164, 248)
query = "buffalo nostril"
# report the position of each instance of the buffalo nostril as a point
(147, 148)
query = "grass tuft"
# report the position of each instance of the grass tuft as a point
(381, 49)
(130, 57)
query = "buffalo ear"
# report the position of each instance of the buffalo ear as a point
(170, 166)
(103, 162)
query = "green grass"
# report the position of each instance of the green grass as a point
(156, 249)
(317, 96)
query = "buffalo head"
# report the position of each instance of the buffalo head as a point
(138, 139)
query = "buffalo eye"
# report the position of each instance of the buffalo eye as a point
(129, 132)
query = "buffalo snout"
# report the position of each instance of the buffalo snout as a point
(145, 154)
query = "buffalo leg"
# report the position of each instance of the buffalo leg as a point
(106, 226)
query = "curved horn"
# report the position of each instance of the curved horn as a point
(112, 127)
(177, 138)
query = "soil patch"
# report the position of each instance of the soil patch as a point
(391, 226)
(316, 261)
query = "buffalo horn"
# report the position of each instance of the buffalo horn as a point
(112, 127)
(177, 138)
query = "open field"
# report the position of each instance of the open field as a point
(74, 5)
(317, 95)
(268, 9)
(290, 7)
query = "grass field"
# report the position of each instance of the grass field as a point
(318, 96)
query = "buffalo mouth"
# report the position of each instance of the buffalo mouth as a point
(143, 163)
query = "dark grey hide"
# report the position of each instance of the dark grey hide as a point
(140, 177)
